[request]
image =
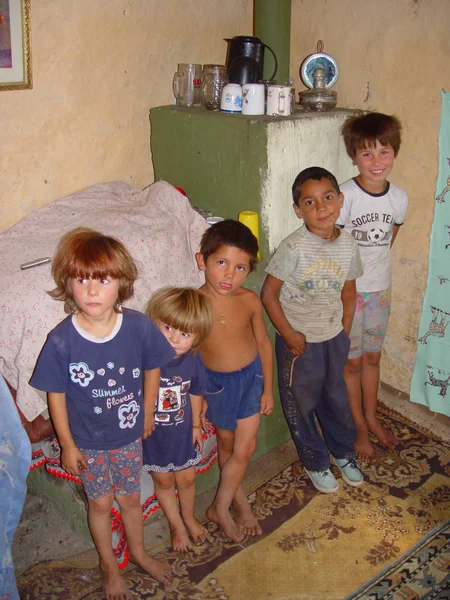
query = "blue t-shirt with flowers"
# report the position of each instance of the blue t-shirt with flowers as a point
(102, 377)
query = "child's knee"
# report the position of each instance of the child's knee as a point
(250, 449)
(244, 451)
(353, 366)
(127, 501)
(163, 481)
(225, 439)
(186, 478)
(102, 504)
(372, 358)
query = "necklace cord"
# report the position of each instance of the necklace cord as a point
(333, 234)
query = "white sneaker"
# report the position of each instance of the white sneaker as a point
(324, 481)
(351, 473)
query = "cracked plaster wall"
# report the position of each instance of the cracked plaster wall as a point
(393, 57)
(98, 68)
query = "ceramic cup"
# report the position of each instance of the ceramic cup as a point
(278, 100)
(231, 98)
(253, 98)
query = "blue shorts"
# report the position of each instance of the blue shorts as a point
(235, 395)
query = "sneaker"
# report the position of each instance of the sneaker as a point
(323, 481)
(351, 473)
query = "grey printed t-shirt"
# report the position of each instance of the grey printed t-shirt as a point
(314, 272)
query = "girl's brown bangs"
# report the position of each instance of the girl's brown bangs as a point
(94, 263)
(92, 272)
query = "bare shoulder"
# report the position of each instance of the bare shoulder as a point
(250, 298)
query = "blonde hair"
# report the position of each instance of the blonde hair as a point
(84, 253)
(185, 309)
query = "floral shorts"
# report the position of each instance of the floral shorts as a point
(370, 322)
(117, 470)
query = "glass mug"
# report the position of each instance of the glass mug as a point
(213, 81)
(187, 83)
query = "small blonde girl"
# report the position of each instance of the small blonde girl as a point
(171, 453)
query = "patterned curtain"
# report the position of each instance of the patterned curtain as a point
(430, 383)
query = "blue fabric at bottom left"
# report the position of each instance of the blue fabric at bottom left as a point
(15, 460)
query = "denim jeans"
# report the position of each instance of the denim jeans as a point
(15, 460)
(312, 385)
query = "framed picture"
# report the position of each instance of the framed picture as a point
(15, 45)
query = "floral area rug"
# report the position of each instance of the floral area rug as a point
(314, 546)
(423, 572)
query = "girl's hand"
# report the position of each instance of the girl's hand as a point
(197, 437)
(203, 413)
(149, 424)
(267, 403)
(72, 460)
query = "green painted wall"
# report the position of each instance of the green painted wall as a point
(221, 162)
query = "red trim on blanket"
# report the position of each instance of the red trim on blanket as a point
(121, 550)
(63, 475)
(208, 461)
(38, 464)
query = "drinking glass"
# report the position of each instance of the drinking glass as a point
(187, 83)
(213, 81)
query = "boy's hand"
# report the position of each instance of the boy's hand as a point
(197, 437)
(72, 460)
(267, 403)
(296, 342)
(149, 424)
(203, 413)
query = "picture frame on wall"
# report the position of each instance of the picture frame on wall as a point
(15, 45)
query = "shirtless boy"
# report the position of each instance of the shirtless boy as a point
(239, 366)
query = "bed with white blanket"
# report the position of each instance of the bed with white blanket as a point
(159, 228)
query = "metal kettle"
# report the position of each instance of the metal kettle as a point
(245, 59)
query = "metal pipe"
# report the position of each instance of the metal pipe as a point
(272, 24)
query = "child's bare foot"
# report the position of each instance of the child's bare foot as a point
(383, 434)
(114, 586)
(159, 570)
(180, 539)
(363, 447)
(230, 528)
(248, 522)
(196, 529)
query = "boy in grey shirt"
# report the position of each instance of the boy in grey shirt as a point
(310, 297)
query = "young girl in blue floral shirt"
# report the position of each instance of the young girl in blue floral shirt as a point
(100, 368)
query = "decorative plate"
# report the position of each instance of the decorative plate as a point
(310, 64)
